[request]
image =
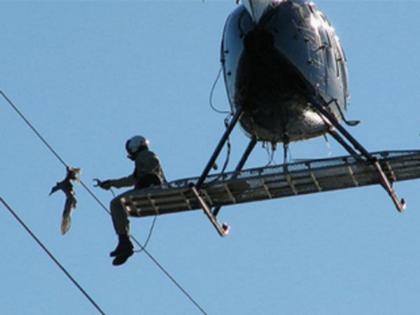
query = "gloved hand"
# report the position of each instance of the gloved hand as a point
(106, 184)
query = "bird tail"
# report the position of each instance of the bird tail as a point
(65, 224)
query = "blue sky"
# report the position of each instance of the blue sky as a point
(89, 75)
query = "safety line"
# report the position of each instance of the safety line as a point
(52, 256)
(155, 261)
(143, 248)
(149, 236)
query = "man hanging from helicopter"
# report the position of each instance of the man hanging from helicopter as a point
(148, 172)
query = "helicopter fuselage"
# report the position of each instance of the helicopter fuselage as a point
(271, 65)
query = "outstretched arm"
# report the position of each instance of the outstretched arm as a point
(118, 183)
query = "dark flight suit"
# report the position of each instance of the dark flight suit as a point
(148, 172)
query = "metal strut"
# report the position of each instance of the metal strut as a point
(219, 148)
(222, 229)
(341, 134)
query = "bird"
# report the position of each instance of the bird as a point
(66, 186)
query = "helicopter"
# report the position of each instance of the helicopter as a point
(286, 79)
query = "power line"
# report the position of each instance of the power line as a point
(155, 261)
(143, 248)
(91, 300)
(33, 129)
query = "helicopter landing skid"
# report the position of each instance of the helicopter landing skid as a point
(340, 134)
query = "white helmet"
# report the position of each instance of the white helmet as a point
(135, 143)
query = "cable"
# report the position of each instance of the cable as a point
(33, 129)
(52, 256)
(155, 261)
(212, 93)
(270, 153)
(150, 255)
(151, 227)
(149, 235)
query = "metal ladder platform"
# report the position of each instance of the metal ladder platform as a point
(278, 181)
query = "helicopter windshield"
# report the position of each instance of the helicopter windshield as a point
(257, 8)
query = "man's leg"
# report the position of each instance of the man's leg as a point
(122, 227)
(119, 217)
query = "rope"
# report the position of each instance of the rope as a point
(55, 260)
(142, 248)
(155, 261)
(149, 235)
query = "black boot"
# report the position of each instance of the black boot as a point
(123, 251)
